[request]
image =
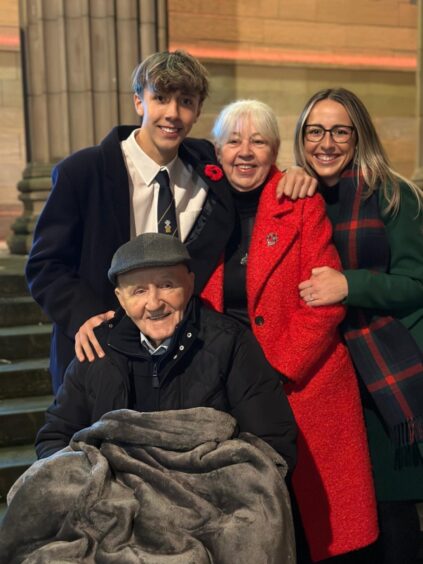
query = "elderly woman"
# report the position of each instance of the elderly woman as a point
(274, 246)
(378, 224)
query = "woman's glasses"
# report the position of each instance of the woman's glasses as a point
(315, 132)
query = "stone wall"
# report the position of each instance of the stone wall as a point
(12, 139)
(282, 51)
(294, 29)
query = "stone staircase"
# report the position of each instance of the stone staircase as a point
(25, 389)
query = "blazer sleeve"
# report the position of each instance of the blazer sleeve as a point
(310, 333)
(257, 399)
(53, 263)
(401, 288)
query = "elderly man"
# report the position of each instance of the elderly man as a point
(166, 351)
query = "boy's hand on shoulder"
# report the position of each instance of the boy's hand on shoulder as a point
(296, 183)
(86, 343)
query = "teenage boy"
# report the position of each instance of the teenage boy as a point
(104, 195)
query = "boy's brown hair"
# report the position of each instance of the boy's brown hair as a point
(170, 71)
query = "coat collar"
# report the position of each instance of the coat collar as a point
(124, 336)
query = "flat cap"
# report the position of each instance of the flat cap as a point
(146, 251)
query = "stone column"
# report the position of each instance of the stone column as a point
(418, 173)
(77, 60)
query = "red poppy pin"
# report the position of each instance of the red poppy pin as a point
(214, 172)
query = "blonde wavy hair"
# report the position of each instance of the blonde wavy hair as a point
(370, 156)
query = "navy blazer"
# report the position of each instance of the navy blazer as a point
(87, 217)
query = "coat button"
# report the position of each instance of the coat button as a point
(259, 320)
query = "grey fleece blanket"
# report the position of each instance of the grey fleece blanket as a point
(154, 488)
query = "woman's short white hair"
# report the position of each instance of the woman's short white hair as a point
(232, 117)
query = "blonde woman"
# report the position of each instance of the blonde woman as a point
(378, 225)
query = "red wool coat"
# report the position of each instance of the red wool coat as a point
(332, 480)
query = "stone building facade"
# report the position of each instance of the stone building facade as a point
(79, 55)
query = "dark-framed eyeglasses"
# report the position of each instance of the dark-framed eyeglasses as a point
(315, 132)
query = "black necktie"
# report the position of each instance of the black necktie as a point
(166, 214)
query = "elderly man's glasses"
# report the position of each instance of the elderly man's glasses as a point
(315, 132)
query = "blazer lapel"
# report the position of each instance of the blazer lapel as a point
(209, 236)
(199, 154)
(116, 179)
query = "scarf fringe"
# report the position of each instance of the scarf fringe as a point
(406, 437)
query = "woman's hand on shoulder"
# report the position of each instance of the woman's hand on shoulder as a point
(326, 286)
(296, 183)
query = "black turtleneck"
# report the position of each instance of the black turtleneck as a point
(235, 294)
(331, 196)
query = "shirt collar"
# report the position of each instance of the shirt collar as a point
(161, 349)
(145, 165)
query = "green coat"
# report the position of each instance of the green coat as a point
(398, 293)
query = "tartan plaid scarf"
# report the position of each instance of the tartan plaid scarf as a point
(386, 356)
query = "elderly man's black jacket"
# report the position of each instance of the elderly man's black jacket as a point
(213, 361)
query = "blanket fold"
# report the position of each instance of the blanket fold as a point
(174, 487)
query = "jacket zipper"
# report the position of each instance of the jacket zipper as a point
(156, 385)
(156, 382)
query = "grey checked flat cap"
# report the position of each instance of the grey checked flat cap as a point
(146, 251)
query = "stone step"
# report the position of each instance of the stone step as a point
(24, 378)
(3, 508)
(21, 418)
(12, 279)
(30, 341)
(20, 310)
(13, 462)
(13, 285)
